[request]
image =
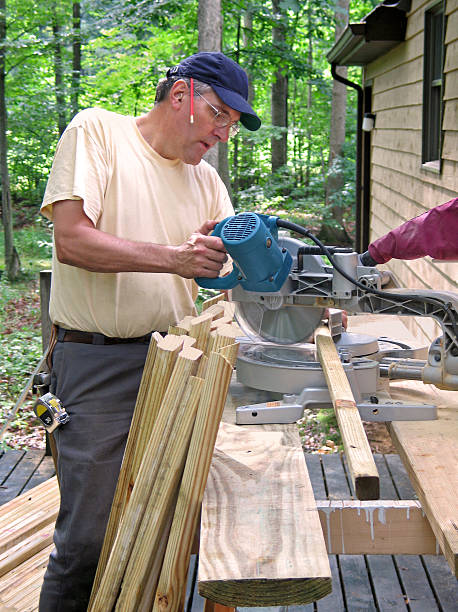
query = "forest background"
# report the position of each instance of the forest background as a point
(60, 56)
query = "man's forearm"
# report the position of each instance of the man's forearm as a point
(79, 243)
(97, 251)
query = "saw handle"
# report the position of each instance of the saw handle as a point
(259, 264)
(221, 282)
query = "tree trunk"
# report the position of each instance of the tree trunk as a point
(76, 57)
(58, 73)
(247, 148)
(210, 24)
(12, 262)
(335, 180)
(309, 95)
(279, 96)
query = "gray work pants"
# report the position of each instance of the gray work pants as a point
(98, 385)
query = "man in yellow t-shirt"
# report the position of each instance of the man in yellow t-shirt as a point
(133, 205)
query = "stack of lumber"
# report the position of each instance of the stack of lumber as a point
(145, 556)
(26, 529)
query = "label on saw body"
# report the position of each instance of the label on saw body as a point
(273, 404)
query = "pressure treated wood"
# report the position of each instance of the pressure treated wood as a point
(230, 351)
(25, 515)
(149, 545)
(361, 463)
(429, 451)
(222, 336)
(200, 328)
(167, 351)
(157, 370)
(261, 539)
(172, 581)
(212, 301)
(104, 597)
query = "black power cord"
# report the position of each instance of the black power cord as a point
(446, 307)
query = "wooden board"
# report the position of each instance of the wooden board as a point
(429, 450)
(363, 471)
(379, 527)
(261, 541)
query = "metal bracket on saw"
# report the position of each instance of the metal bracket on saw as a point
(373, 402)
(378, 407)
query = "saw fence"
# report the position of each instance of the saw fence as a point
(145, 555)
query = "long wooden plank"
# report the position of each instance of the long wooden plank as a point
(430, 455)
(28, 513)
(361, 463)
(29, 572)
(261, 539)
(26, 548)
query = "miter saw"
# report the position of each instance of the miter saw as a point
(284, 288)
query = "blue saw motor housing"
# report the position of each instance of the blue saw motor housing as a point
(259, 264)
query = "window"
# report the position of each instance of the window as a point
(433, 83)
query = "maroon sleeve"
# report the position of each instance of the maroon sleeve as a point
(433, 233)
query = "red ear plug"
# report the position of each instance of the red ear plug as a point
(191, 116)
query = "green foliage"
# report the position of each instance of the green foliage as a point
(34, 242)
(20, 352)
(127, 47)
(20, 332)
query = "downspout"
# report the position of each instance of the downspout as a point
(359, 247)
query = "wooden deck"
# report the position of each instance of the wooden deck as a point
(391, 583)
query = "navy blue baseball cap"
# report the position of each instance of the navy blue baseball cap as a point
(227, 79)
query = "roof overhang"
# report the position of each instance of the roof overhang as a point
(379, 32)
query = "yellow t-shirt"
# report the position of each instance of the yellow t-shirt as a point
(130, 191)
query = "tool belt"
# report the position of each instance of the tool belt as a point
(73, 335)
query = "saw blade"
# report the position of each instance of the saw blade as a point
(285, 325)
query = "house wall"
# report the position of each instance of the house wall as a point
(400, 187)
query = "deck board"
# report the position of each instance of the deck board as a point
(335, 476)
(387, 488)
(413, 577)
(334, 601)
(399, 477)
(356, 583)
(387, 589)
(443, 582)
(20, 474)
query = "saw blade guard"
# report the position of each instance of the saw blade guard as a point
(259, 264)
(282, 325)
(272, 319)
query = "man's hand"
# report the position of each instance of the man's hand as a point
(201, 254)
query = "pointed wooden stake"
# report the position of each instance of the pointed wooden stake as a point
(172, 581)
(149, 547)
(161, 357)
(110, 582)
(211, 301)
